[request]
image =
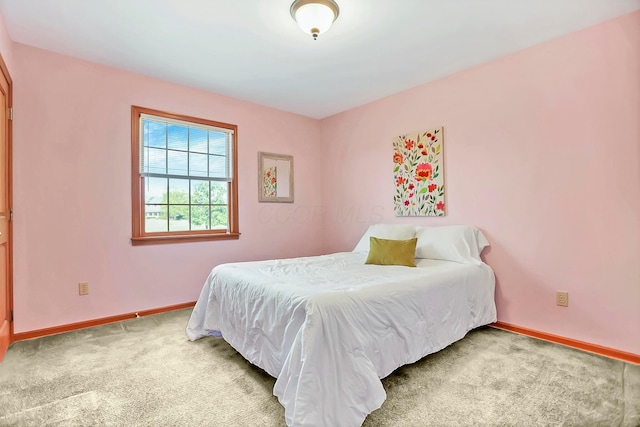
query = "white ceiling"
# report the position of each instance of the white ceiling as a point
(253, 50)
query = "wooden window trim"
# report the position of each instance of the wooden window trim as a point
(139, 237)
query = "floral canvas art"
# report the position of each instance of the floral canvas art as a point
(269, 182)
(418, 174)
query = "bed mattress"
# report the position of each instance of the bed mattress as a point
(330, 327)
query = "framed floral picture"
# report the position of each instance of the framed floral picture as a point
(275, 178)
(418, 174)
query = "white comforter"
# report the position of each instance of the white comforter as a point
(330, 327)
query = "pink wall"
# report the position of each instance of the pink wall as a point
(6, 45)
(72, 186)
(542, 152)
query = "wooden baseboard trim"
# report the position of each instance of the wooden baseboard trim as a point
(580, 345)
(97, 322)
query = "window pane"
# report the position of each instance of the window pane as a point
(177, 137)
(219, 193)
(197, 140)
(155, 218)
(177, 162)
(199, 192)
(178, 218)
(156, 160)
(197, 164)
(179, 191)
(155, 134)
(155, 190)
(217, 166)
(217, 143)
(219, 217)
(199, 217)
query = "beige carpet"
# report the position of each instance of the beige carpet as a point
(144, 372)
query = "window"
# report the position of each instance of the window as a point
(184, 185)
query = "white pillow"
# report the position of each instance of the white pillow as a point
(458, 243)
(385, 231)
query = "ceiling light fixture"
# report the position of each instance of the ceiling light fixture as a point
(314, 16)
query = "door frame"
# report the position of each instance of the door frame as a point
(9, 136)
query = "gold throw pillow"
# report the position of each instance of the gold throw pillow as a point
(392, 252)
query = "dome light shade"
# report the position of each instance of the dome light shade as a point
(314, 16)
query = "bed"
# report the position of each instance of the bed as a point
(328, 328)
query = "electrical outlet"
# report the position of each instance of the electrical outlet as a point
(562, 298)
(83, 288)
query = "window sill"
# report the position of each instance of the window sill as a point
(182, 238)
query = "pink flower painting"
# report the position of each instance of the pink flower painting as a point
(418, 174)
(269, 182)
